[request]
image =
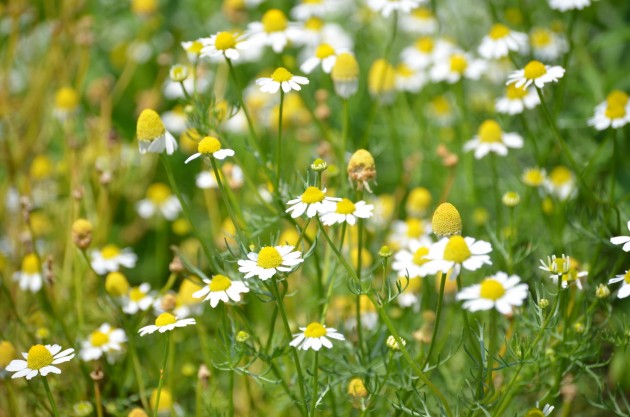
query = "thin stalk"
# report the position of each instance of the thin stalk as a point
(492, 348)
(138, 372)
(279, 145)
(359, 196)
(331, 284)
(231, 393)
(55, 412)
(98, 400)
(315, 384)
(161, 382)
(344, 144)
(497, 195)
(438, 314)
(228, 205)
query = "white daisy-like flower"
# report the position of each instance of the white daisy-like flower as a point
(624, 291)
(622, 240)
(210, 147)
(152, 135)
(566, 5)
(110, 258)
(345, 210)
(413, 261)
(103, 341)
(500, 41)
(221, 288)
(537, 73)
(573, 275)
(325, 55)
(313, 201)
(313, 8)
(29, 277)
(405, 232)
(556, 265)
(224, 44)
(273, 30)
(456, 66)
(159, 200)
(281, 77)
(138, 299)
(408, 79)
(193, 50)
(498, 291)
(491, 138)
(233, 175)
(614, 112)
(457, 252)
(316, 31)
(421, 21)
(547, 44)
(166, 322)
(516, 100)
(314, 336)
(269, 261)
(387, 7)
(425, 51)
(561, 183)
(39, 361)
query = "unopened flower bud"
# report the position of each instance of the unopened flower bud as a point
(356, 388)
(242, 336)
(393, 344)
(543, 303)
(319, 165)
(116, 284)
(178, 73)
(362, 169)
(385, 252)
(511, 199)
(82, 233)
(602, 291)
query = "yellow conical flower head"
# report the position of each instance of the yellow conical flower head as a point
(150, 126)
(362, 168)
(446, 220)
(345, 75)
(381, 79)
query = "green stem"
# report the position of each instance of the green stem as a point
(162, 369)
(344, 145)
(497, 195)
(238, 222)
(279, 145)
(438, 314)
(331, 284)
(55, 412)
(492, 348)
(359, 196)
(315, 384)
(138, 372)
(231, 393)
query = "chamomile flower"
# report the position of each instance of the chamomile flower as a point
(405, 232)
(455, 66)
(387, 7)
(421, 21)
(210, 147)
(40, 360)
(537, 412)
(412, 261)
(624, 291)
(556, 265)
(312, 201)
(221, 288)
(198, 81)
(29, 277)
(103, 341)
(66, 103)
(269, 261)
(499, 291)
(491, 138)
(534, 177)
(159, 200)
(457, 252)
(500, 41)
(516, 100)
(572, 275)
(622, 240)
(537, 73)
(306, 9)
(281, 77)
(314, 336)
(166, 322)
(152, 135)
(273, 30)
(233, 175)
(614, 112)
(561, 183)
(345, 210)
(138, 299)
(316, 31)
(547, 44)
(226, 44)
(565, 5)
(324, 55)
(422, 53)
(110, 258)
(193, 50)
(345, 75)
(408, 79)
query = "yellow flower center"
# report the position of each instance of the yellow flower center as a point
(534, 69)
(499, 31)
(165, 319)
(533, 177)
(345, 68)
(491, 289)
(458, 63)
(209, 145)
(345, 206)
(281, 74)
(41, 167)
(66, 98)
(225, 41)
(382, 77)
(490, 132)
(314, 330)
(195, 47)
(614, 111)
(158, 193)
(456, 250)
(312, 195)
(514, 93)
(425, 44)
(110, 252)
(7, 353)
(136, 294)
(415, 227)
(560, 175)
(356, 388)
(540, 38)
(422, 13)
(314, 23)
(419, 256)
(274, 21)
(98, 339)
(441, 106)
(220, 283)
(116, 284)
(311, 1)
(38, 357)
(269, 257)
(561, 265)
(617, 98)
(404, 71)
(626, 277)
(149, 126)
(324, 51)
(30, 264)
(446, 220)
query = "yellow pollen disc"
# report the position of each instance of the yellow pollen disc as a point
(98, 339)
(440, 105)
(269, 257)
(220, 283)
(149, 126)
(534, 69)
(158, 193)
(490, 132)
(415, 227)
(346, 67)
(30, 264)
(491, 289)
(446, 220)
(281, 74)
(312, 195)
(314, 23)
(456, 250)
(209, 145)
(382, 77)
(560, 175)
(110, 252)
(66, 98)
(165, 319)
(499, 31)
(38, 357)
(540, 38)
(514, 93)
(225, 41)
(458, 63)
(314, 330)
(533, 177)
(422, 13)
(626, 277)
(560, 264)
(617, 98)
(615, 111)
(136, 294)
(404, 71)
(345, 206)
(116, 284)
(195, 47)
(419, 256)
(324, 51)
(274, 21)
(425, 44)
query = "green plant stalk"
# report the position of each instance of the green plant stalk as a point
(279, 145)
(331, 284)
(228, 205)
(315, 384)
(98, 400)
(231, 393)
(162, 369)
(438, 314)
(55, 412)
(344, 144)
(138, 372)
(497, 195)
(492, 348)
(359, 196)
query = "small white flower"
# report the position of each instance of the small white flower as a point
(498, 291)
(547, 44)
(233, 175)
(313, 8)
(29, 277)
(193, 50)
(224, 44)
(624, 291)
(556, 265)
(537, 73)
(273, 30)
(110, 258)
(39, 361)
(614, 112)
(491, 138)
(165, 322)
(105, 340)
(138, 299)
(456, 66)
(314, 336)
(269, 261)
(345, 210)
(561, 183)
(325, 55)
(500, 41)
(200, 81)
(413, 261)
(281, 78)
(408, 79)
(313, 201)
(420, 21)
(565, 5)
(457, 252)
(159, 200)
(516, 100)
(387, 7)
(221, 288)
(210, 147)
(405, 232)
(622, 240)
